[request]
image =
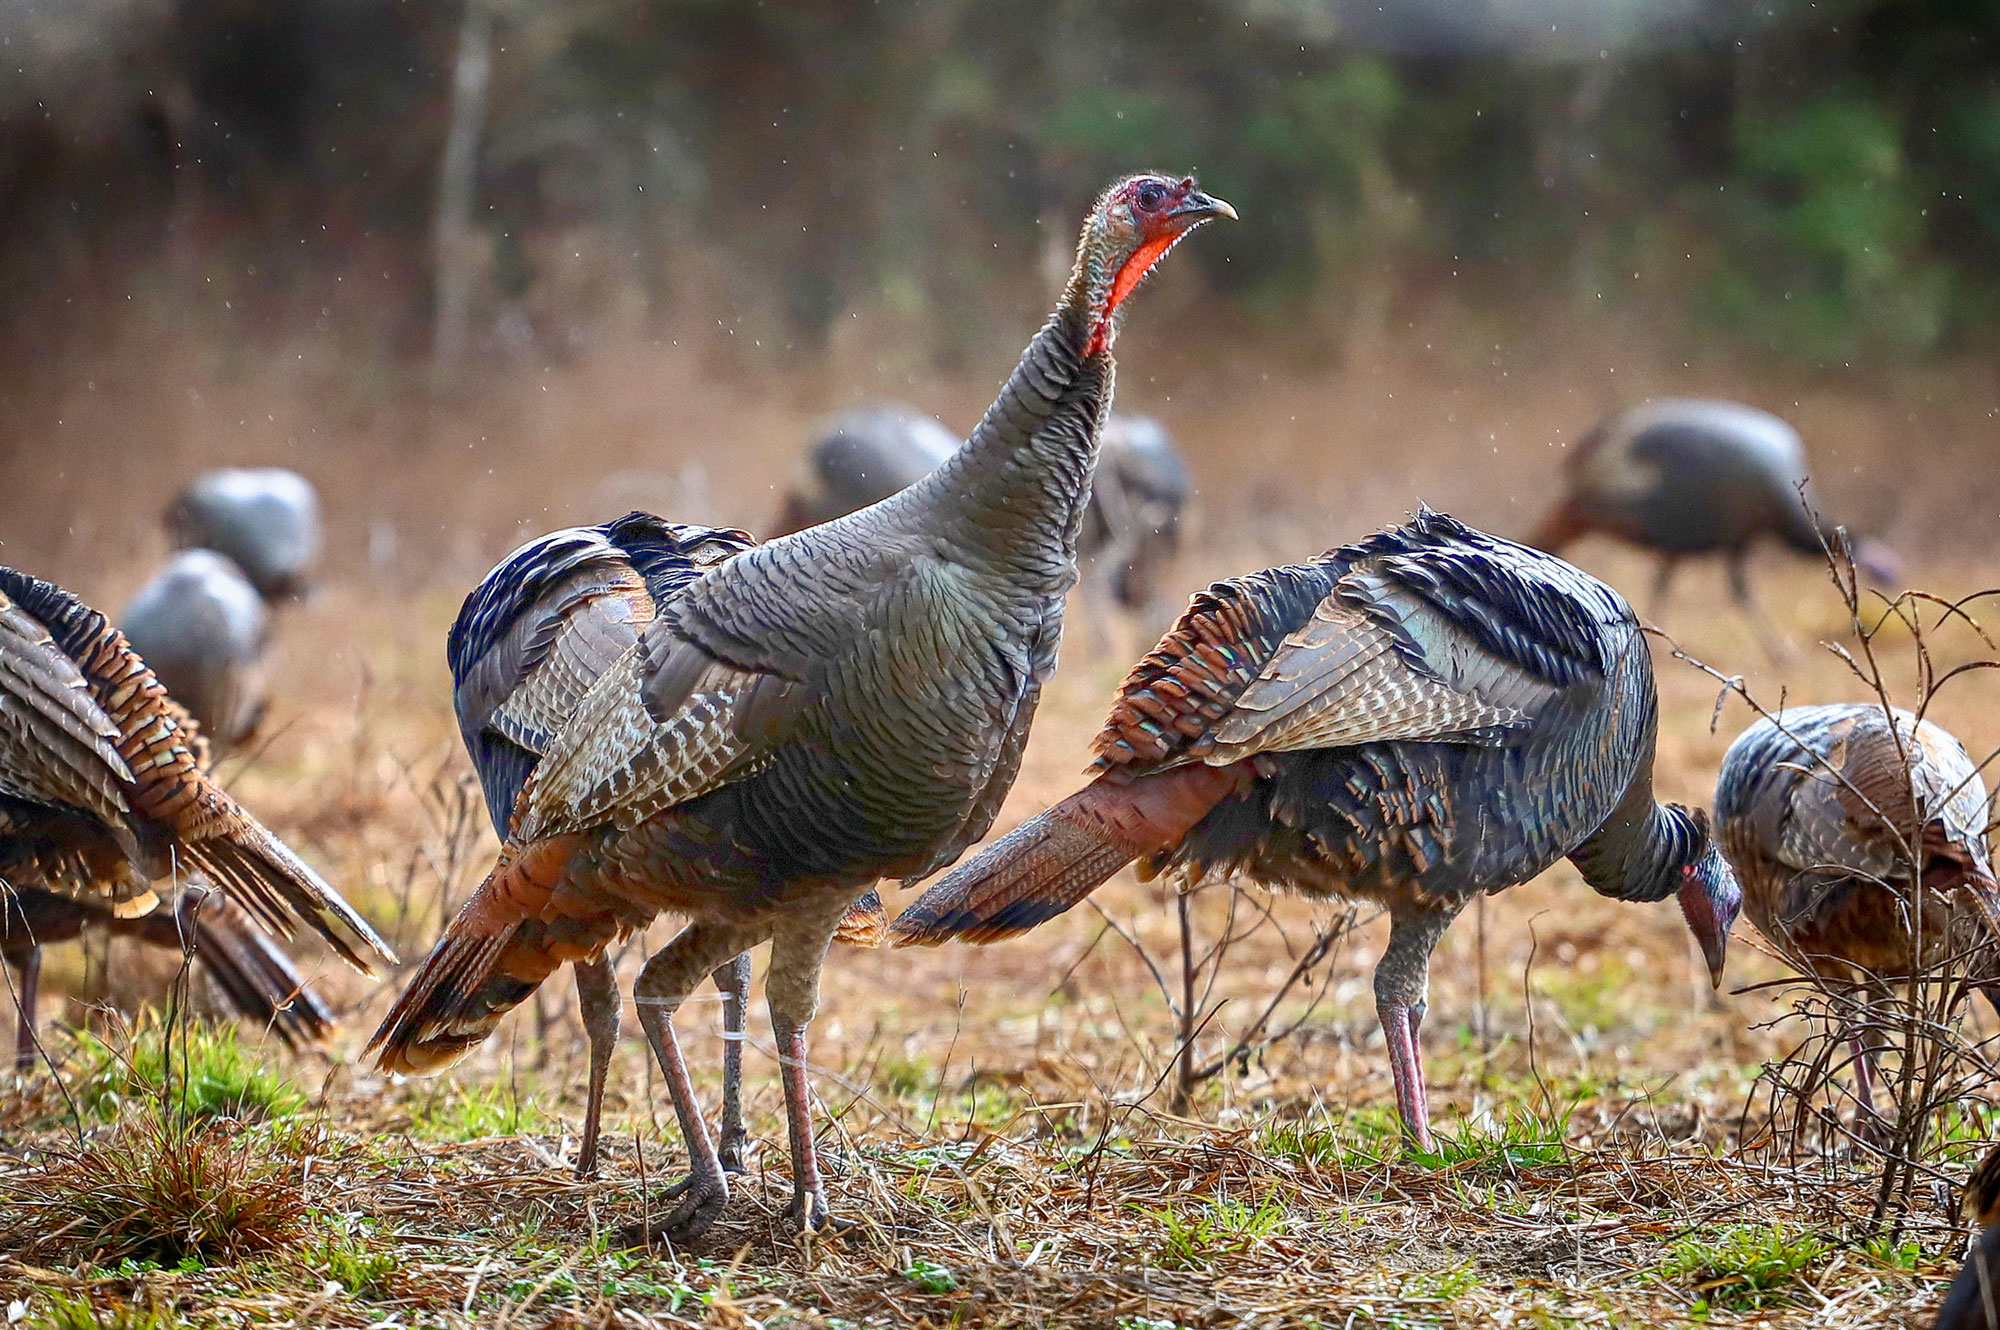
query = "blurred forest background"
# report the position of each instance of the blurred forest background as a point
(416, 249)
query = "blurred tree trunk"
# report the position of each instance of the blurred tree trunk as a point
(456, 247)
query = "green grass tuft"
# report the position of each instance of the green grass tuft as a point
(363, 1272)
(459, 1113)
(1747, 1267)
(1443, 1285)
(1527, 1138)
(1217, 1229)
(66, 1312)
(201, 1067)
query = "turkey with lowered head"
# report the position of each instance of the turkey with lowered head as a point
(1131, 527)
(1691, 476)
(263, 519)
(202, 628)
(1846, 830)
(108, 816)
(841, 705)
(1414, 719)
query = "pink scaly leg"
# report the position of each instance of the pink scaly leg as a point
(1400, 1024)
(597, 996)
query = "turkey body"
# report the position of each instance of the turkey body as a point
(202, 628)
(802, 719)
(265, 520)
(1426, 715)
(527, 645)
(1689, 477)
(1974, 1300)
(105, 800)
(1821, 810)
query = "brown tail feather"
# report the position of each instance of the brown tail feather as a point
(492, 957)
(865, 924)
(1560, 528)
(278, 888)
(1050, 862)
(259, 980)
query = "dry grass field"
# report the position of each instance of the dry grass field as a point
(1006, 1145)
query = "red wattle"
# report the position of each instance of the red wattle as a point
(1130, 274)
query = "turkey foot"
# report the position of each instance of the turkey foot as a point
(701, 1202)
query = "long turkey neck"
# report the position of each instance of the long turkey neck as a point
(1012, 497)
(1638, 854)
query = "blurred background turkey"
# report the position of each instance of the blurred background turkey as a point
(484, 270)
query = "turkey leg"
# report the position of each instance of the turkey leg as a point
(1402, 981)
(733, 979)
(597, 997)
(29, 965)
(662, 986)
(792, 988)
(1775, 647)
(1663, 581)
(1400, 1023)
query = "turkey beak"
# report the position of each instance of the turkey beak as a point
(1198, 207)
(1715, 950)
(1709, 918)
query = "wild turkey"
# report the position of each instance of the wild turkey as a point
(1131, 527)
(1820, 810)
(264, 519)
(528, 643)
(840, 705)
(862, 457)
(106, 803)
(1974, 1300)
(1414, 719)
(1687, 476)
(202, 628)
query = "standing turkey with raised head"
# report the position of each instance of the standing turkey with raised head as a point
(1827, 813)
(1414, 719)
(1688, 476)
(527, 645)
(108, 817)
(838, 706)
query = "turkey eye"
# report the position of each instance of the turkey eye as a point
(1150, 196)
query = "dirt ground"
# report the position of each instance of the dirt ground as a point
(1000, 1122)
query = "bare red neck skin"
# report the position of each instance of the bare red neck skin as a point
(1130, 274)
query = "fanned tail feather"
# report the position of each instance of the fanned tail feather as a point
(257, 978)
(279, 889)
(1049, 863)
(496, 952)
